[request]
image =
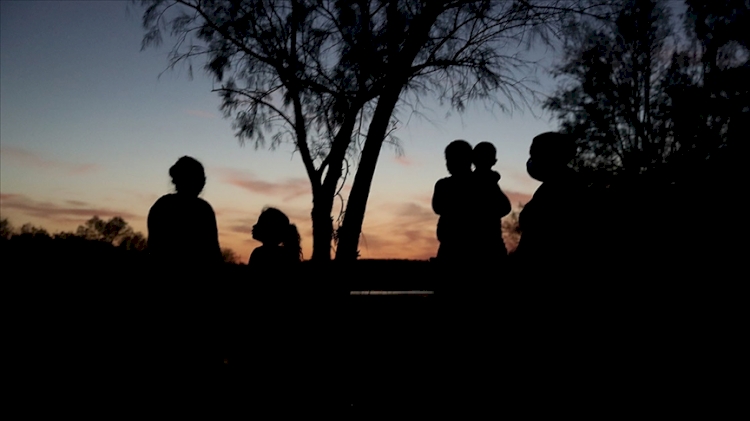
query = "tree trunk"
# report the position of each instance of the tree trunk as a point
(403, 54)
(323, 194)
(351, 228)
(322, 225)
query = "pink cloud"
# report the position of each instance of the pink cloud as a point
(75, 203)
(71, 211)
(242, 229)
(407, 162)
(34, 159)
(407, 233)
(288, 189)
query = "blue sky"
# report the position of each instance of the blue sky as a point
(88, 127)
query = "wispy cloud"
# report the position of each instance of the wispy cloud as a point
(242, 228)
(37, 160)
(145, 198)
(201, 114)
(405, 161)
(408, 232)
(68, 211)
(288, 189)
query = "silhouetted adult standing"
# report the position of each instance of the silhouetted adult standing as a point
(551, 232)
(453, 200)
(181, 327)
(182, 231)
(470, 205)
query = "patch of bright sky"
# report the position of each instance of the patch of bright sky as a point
(76, 90)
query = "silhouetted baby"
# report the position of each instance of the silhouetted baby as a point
(280, 238)
(491, 204)
(484, 158)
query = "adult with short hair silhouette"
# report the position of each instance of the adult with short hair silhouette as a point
(549, 230)
(452, 200)
(181, 328)
(182, 232)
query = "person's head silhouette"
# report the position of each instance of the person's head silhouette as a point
(274, 228)
(458, 157)
(550, 154)
(188, 176)
(484, 156)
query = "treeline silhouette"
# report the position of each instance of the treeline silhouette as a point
(95, 242)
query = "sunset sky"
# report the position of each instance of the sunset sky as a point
(87, 127)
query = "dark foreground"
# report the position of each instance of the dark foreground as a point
(113, 341)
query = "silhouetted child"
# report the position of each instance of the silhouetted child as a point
(280, 238)
(451, 200)
(491, 205)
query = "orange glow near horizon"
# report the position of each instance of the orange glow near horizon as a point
(405, 231)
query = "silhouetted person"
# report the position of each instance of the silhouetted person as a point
(280, 238)
(284, 350)
(179, 311)
(452, 200)
(182, 231)
(550, 233)
(491, 205)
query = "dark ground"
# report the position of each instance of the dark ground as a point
(112, 340)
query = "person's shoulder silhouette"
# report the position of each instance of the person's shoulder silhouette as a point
(182, 230)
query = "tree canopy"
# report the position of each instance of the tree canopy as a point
(642, 100)
(113, 231)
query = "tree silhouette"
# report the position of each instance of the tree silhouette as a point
(511, 230)
(30, 231)
(328, 75)
(133, 241)
(640, 101)
(229, 256)
(721, 44)
(6, 229)
(615, 95)
(113, 231)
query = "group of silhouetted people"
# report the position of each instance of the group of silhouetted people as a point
(471, 205)
(183, 235)
(571, 228)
